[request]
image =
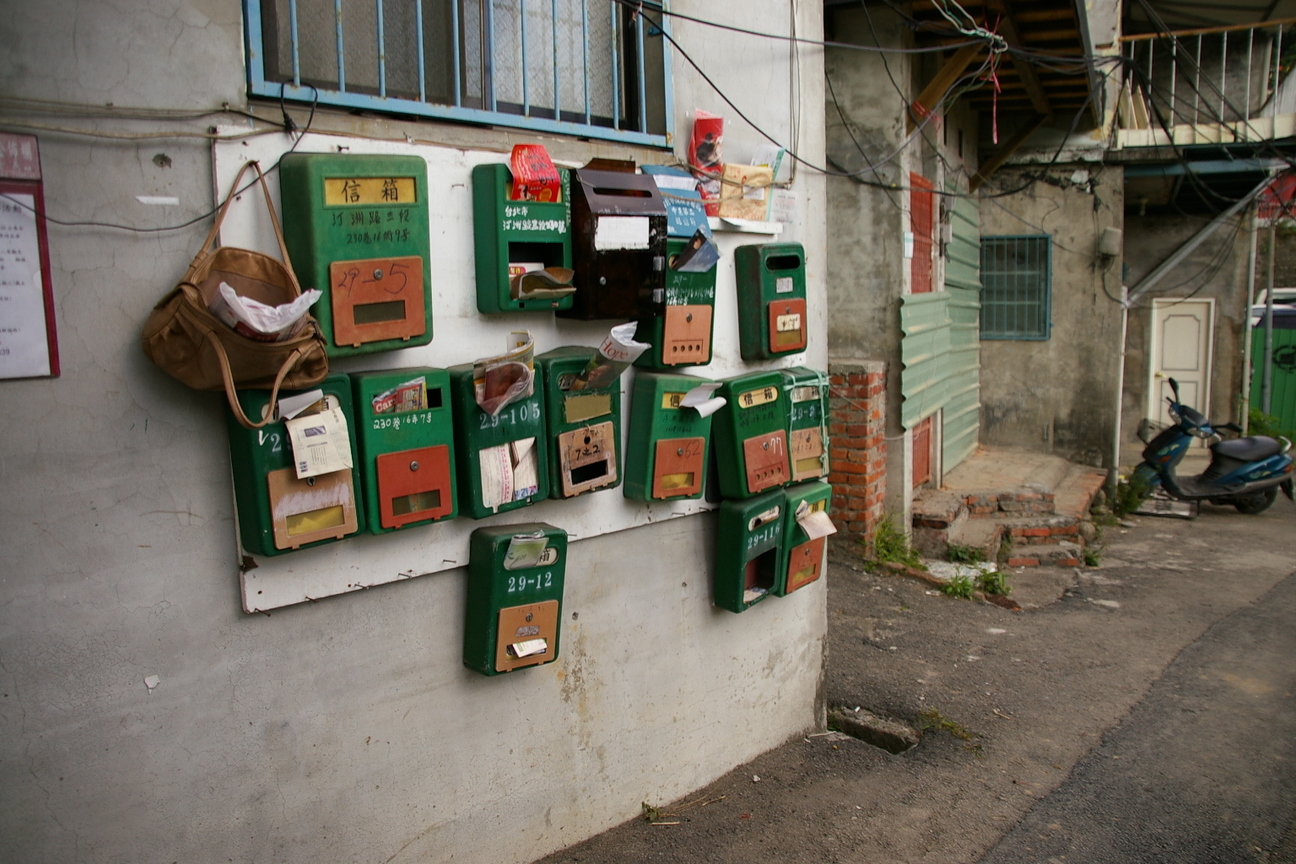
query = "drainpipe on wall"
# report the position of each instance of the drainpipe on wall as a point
(1245, 409)
(1113, 477)
(1266, 386)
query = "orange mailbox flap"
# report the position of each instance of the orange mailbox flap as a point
(376, 299)
(678, 467)
(588, 458)
(686, 335)
(414, 485)
(804, 563)
(766, 458)
(787, 325)
(807, 454)
(317, 508)
(526, 635)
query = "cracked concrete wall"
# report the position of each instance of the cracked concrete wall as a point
(344, 730)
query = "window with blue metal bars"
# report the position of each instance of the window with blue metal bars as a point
(1016, 284)
(592, 68)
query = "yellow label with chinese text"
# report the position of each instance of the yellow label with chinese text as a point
(369, 190)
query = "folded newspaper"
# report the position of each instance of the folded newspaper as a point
(510, 377)
(616, 353)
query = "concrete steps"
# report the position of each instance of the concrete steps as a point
(1034, 502)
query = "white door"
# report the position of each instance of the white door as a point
(1181, 349)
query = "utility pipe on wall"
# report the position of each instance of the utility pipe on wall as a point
(1245, 409)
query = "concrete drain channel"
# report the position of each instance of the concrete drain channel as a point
(890, 735)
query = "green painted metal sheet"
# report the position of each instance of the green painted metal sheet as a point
(941, 351)
(1282, 396)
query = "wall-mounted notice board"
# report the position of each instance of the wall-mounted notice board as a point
(28, 344)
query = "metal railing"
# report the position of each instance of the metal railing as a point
(579, 67)
(1227, 77)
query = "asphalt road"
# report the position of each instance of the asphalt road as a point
(1140, 711)
(1203, 768)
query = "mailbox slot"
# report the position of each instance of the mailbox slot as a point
(584, 425)
(277, 512)
(618, 244)
(515, 588)
(803, 558)
(502, 461)
(357, 229)
(667, 448)
(771, 300)
(749, 544)
(751, 435)
(512, 236)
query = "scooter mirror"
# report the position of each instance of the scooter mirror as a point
(1174, 387)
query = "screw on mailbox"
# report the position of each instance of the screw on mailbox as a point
(310, 481)
(378, 274)
(529, 616)
(414, 466)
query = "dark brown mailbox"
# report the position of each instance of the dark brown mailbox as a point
(618, 245)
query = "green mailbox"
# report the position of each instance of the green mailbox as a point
(515, 588)
(801, 558)
(771, 285)
(406, 438)
(277, 512)
(511, 238)
(502, 460)
(666, 452)
(749, 542)
(807, 422)
(681, 322)
(357, 229)
(750, 435)
(584, 424)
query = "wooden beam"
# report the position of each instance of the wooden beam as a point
(1007, 25)
(992, 164)
(936, 89)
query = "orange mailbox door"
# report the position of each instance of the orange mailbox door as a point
(376, 299)
(677, 467)
(787, 326)
(766, 459)
(414, 485)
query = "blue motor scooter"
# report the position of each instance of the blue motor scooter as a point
(1244, 472)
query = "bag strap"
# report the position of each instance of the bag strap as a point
(231, 393)
(206, 247)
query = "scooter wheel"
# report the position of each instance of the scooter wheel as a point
(1256, 502)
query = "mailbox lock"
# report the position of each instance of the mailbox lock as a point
(679, 451)
(765, 446)
(602, 280)
(689, 318)
(310, 481)
(414, 466)
(529, 616)
(378, 274)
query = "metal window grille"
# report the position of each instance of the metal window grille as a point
(591, 68)
(1016, 283)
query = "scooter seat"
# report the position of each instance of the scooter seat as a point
(1251, 449)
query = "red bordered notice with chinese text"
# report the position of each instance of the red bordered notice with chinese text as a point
(28, 342)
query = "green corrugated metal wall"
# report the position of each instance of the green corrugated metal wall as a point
(1282, 397)
(941, 349)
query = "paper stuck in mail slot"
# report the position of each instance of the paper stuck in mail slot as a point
(291, 406)
(320, 443)
(529, 648)
(815, 523)
(621, 232)
(702, 399)
(525, 550)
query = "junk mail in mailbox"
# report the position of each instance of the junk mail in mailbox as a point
(356, 227)
(515, 589)
(681, 320)
(618, 244)
(802, 558)
(666, 454)
(282, 506)
(406, 446)
(771, 300)
(516, 238)
(503, 459)
(749, 542)
(808, 422)
(751, 435)
(584, 424)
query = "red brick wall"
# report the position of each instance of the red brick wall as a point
(857, 433)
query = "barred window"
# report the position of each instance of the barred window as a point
(583, 67)
(1016, 282)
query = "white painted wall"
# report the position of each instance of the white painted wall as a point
(343, 730)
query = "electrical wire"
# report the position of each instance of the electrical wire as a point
(207, 215)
